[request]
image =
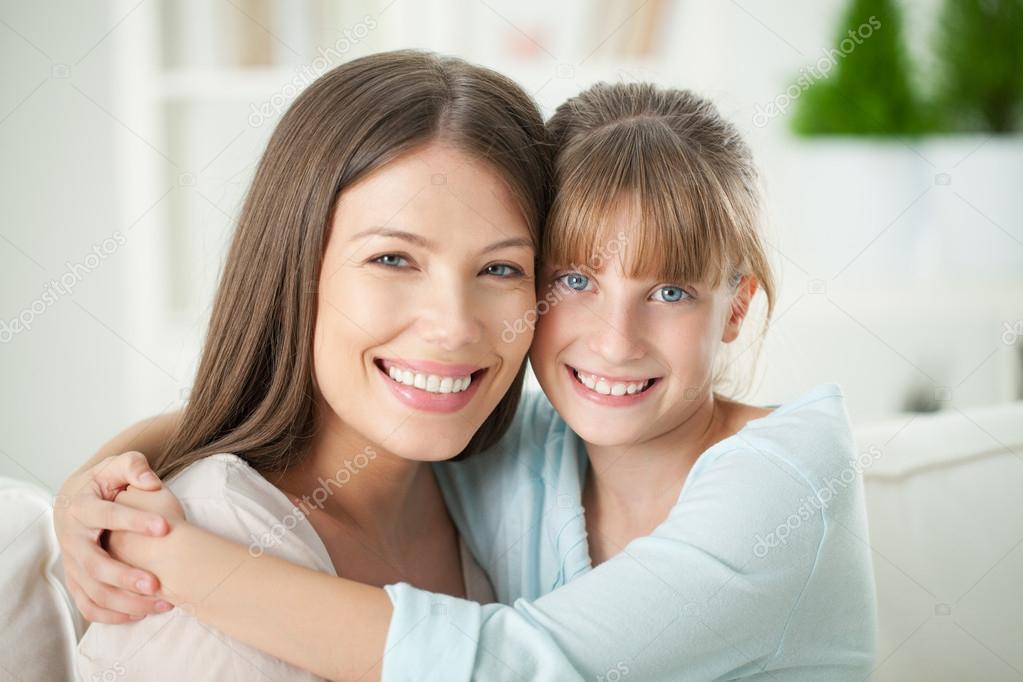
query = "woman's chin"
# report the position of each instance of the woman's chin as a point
(428, 447)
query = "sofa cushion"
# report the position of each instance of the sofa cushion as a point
(41, 626)
(945, 508)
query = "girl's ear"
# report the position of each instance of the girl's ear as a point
(739, 306)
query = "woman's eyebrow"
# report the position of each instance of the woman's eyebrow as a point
(514, 242)
(416, 239)
(419, 240)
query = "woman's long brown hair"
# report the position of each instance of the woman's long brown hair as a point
(254, 393)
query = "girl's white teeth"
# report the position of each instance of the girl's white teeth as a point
(431, 383)
(605, 387)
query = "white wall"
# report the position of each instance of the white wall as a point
(95, 137)
(63, 380)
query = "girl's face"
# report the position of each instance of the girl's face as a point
(626, 360)
(427, 259)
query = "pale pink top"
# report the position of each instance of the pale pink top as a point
(223, 494)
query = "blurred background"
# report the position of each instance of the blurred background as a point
(888, 135)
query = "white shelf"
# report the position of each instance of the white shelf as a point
(229, 84)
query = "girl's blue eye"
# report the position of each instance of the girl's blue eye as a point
(575, 281)
(391, 260)
(670, 294)
(503, 270)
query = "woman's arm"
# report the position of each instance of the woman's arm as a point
(106, 590)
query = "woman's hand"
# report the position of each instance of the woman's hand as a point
(104, 589)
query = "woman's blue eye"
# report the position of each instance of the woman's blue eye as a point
(503, 270)
(391, 260)
(575, 281)
(670, 294)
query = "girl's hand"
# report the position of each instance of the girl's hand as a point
(160, 501)
(136, 548)
(104, 589)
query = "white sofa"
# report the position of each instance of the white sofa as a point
(946, 533)
(945, 504)
(39, 623)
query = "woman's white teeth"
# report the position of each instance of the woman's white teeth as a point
(605, 387)
(431, 383)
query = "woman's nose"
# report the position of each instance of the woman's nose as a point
(450, 318)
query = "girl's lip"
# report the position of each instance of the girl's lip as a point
(614, 379)
(610, 400)
(424, 401)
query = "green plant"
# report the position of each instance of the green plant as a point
(979, 46)
(868, 90)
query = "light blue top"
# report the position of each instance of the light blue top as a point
(762, 568)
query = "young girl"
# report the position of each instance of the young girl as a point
(390, 231)
(651, 529)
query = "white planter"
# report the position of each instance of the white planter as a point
(870, 211)
(975, 212)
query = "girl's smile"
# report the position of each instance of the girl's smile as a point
(611, 391)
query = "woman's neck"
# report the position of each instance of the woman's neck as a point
(376, 493)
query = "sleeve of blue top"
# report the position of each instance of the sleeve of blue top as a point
(700, 598)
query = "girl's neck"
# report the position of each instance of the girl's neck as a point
(631, 488)
(630, 472)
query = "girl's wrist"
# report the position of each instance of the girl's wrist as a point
(149, 553)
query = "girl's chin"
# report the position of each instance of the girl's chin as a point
(605, 434)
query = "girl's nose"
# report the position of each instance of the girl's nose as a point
(614, 335)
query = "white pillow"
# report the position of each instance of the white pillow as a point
(39, 622)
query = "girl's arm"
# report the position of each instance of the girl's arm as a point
(333, 627)
(106, 590)
(695, 600)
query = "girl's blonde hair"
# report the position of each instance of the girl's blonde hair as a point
(683, 170)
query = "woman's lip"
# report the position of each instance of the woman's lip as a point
(424, 401)
(441, 369)
(608, 400)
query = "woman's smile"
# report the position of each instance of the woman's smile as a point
(431, 386)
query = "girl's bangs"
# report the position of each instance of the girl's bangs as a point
(636, 195)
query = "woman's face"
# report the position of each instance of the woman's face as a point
(626, 360)
(427, 259)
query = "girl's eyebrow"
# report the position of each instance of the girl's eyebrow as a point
(419, 240)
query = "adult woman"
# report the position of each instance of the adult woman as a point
(391, 229)
(671, 533)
